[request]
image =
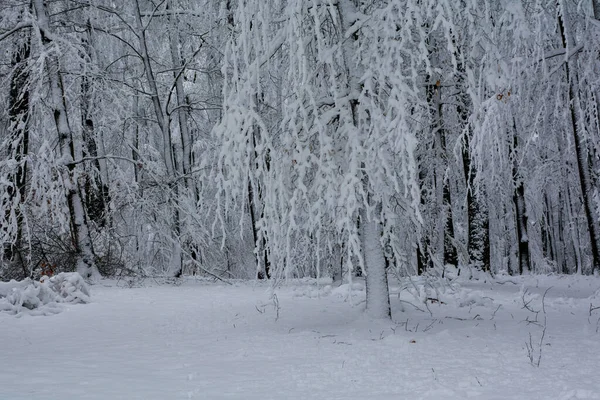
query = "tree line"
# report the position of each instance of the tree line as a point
(278, 139)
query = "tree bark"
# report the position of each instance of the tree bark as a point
(378, 298)
(263, 264)
(79, 227)
(478, 236)
(262, 259)
(96, 188)
(161, 118)
(18, 112)
(164, 123)
(520, 207)
(450, 253)
(182, 106)
(581, 150)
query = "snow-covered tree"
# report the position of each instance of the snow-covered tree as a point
(321, 105)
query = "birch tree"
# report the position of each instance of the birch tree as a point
(17, 147)
(68, 157)
(342, 152)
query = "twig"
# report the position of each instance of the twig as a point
(526, 303)
(416, 307)
(534, 352)
(593, 308)
(428, 327)
(494, 313)
(539, 360)
(276, 305)
(544, 300)
(457, 318)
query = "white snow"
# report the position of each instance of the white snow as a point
(213, 341)
(30, 297)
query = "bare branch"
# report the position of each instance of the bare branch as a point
(14, 30)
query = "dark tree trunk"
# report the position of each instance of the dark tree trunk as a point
(450, 253)
(522, 238)
(558, 238)
(580, 149)
(183, 108)
(262, 256)
(444, 234)
(18, 113)
(546, 229)
(79, 224)
(520, 207)
(422, 248)
(96, 191)
(423, 260)
(262, 269)
(478, 238)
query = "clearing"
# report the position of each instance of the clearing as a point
(202, 340)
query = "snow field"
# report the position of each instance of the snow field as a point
(215, 341)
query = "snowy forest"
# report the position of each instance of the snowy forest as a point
(242, 139)
(300, 199)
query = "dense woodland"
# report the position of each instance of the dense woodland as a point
(308, 138)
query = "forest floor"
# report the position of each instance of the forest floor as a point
(481, 339)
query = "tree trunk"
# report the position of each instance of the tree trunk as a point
(423, 243)
(263, 263)
(164, 124)
(262, 260)
(478, 236)
(182, 106)
(445, 250)
(546, 230)
(18, 112)
(96, 189)
(573, 229)
(581, 150)
(79, 228)
(521, 224)
(378, 298)
(161, 118)
(135, 147)
(336, 262)
(520, 208)
(557, 232)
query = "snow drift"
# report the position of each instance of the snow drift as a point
(43, 297)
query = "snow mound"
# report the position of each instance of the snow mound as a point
(43, 298)
(474, 298)
(312, 291)
(427, 289)
(595, 296)
(345, 290)
(562, 302)
(71, 287)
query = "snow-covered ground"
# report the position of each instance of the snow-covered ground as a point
(215, 341)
